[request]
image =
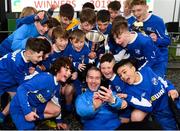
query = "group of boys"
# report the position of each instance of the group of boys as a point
(51, 64)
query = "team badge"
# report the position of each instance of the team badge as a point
(118, 88)
(137, 51)
(154, 81)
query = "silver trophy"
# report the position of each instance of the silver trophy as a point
(96, 38)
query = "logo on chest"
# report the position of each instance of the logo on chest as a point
(137, 51)
(154, 81)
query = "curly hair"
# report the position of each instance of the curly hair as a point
(59, 63)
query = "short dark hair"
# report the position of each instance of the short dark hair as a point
(88, 15)
(66, 10)
(38, 45)
(60, 62)
(124, 62)
(103, 16)
(88, 5)
(107, 57)
(114, 5)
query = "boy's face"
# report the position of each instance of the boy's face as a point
(121, 39)
(78, 44)
(127, 73)
(113, 13)
(140, 11)
(42, 29)
(35, 57)
(86, 27)
(102, 25)
(61, 43)
(63, 74)
(93, 80)
(127, 10)
(107, 69)
(65, 21)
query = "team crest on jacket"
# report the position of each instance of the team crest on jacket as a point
(137, 51)
(118, 88)
(154, 81)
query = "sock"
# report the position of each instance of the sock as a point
(2, 117)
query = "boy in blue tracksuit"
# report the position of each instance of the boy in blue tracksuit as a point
(18, 39)
(153, 26)
(103, 24)
(87, 23)
(147, 92)
(33, 99)
(107, 63)
(98, 109)
(139, 46)
(60, 41)
(78, 51)
(15, 67)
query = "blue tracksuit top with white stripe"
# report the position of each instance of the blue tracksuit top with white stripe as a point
(103, 118)
(156, 25)
(150, 93)
(13, 70)
(38, 90)
(144, 51)
(77, 57)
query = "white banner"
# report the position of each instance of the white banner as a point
(18, 5)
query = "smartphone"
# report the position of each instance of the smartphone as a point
(105, 83)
